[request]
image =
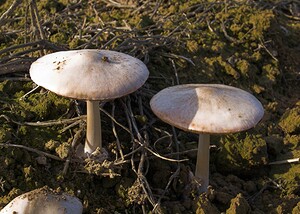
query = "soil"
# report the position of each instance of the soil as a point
(146, 166)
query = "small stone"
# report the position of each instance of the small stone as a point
(42, 160)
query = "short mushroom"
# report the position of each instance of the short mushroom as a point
(207, 109)
(44, 200)
(91, 75)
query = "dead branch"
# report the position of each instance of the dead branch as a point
(293, 160)
(45, 123)
(9, 12)
(115, 133)
(31, 150)
(77, 137)
(42, 43)
(18, 65)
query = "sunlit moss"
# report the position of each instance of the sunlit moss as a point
(242, 155)
(238, 205)
(63, 150)
(290, 120)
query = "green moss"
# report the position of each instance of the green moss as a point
(8, 87)
(239, 205)
(221, 65)
(261, 22)
(60, 38)
(292, 140)
(296, 209)
(205, 206)
(51, 145)
(14, 192)
(75, 42)
(258, 89)
(6, 134)
(290, 120)
(271, 72)
(247, 69)
(254, 150)
(28, 172)
(289, 180)
(192, 46)
(240, 156)
(63, 150)
(52, 6)
(45, 106)
(218, 46)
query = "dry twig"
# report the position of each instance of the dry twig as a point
(45, 123)
(9, 12)
(31, 150)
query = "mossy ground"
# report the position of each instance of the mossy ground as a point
(250, 45)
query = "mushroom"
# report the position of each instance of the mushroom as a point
(91, 75)
(207, 109)
(44, 200)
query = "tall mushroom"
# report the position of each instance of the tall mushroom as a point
(207, 109)
(91, 75)
(45, 201)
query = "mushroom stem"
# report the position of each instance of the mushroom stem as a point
(93, 132)
(202, 165)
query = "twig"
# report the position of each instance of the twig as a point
(158, 2)
(231, 39)
(45, 123)
(32, 150)
(18, 65)
(265, 186)
(10, 11)
(115, 132)
(75, 141)
(170, 55)
(172, 177)
(119, 162)
(114, 120)
(175, 71)
(88, 44)
(209, 27)
(42, 43)
(36, 20)
(266, 49)
(2, 182)
(285, 161)
(29, 92)
(111, 3)
(70, 126)
(164, 158)
(140, 171)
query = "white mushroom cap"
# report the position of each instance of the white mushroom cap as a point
(89, 74)
(207, 108)
(44, 201)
